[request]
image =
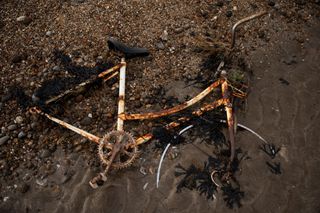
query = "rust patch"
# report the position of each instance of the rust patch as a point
(152, 115)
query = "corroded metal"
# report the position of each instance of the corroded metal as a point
(145, 138)
(230, 118)
(85, 134)
(152, 115)
(80, 86)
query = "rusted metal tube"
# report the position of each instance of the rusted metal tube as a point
(230, 119)
(236, 25)
(112, 69)
(199, 112)
(83, 84)
(172, 110)
(85, 134)
(122, 85)
(111, 76)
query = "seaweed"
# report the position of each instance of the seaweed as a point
(270, 150)
(275, 168)
(200, 179)
(232, 195)
(164, 136)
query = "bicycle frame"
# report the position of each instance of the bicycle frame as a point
(122, 116)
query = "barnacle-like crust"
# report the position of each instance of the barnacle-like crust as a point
(128, 149)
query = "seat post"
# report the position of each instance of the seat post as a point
(121, 101)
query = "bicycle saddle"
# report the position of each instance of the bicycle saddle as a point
(129, 52)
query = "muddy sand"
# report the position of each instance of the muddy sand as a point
(45, 168)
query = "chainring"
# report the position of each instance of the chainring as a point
(128, 149)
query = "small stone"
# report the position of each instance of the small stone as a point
(42, 182)
(24, 19)
(78, 148)
(45, 153)
(4, 139)
(49, 33)
(229, 13)
(178, 30)
(56, 68)
(164, 36)
(12, 127)
(160, 45)
(271, 3)
(86, 121)
(90, 115)
(21, 135)
(23, 188)
(34, 125)
(19, 119)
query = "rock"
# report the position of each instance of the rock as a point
(271, 3)
(34, 125)
(21, 135)
(160, 45)
(24, 19)
(4, 139)
(42, 182)
(12, 127)
(45, 153)
(23, 188)
(178, 30)
(19, 119)
(56, 68)
(86, 121)
(49, 33)
(164, 36)
(78, 148)
(229, 13)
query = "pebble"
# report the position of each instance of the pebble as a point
(42, 182)
(21, 135)
(164, 36)
(12, 127)
(24, 19)
(45, 153)
(229, 13)
(86, 121)
(19, 119)
(56, 68)
(4, 139)
(34, 125)
(48, 33)
(23, 188)
(160, 46)
(271, 3)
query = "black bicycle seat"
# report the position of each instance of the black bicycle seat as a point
(129, 52)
